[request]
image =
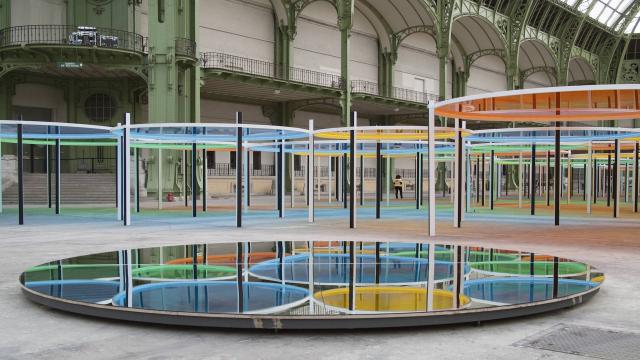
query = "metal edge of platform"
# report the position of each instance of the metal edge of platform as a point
(309, 322)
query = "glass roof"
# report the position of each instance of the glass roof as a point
(607, 12)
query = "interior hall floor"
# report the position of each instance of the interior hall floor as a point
(31, 331)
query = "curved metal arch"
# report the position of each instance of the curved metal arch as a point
(551, 71)
(296, 7)
(493, 26)
(594, 70)
(8, 68)
(469, 59)
(379, 23)
(545, 45)
(398, 37)
(301, 104)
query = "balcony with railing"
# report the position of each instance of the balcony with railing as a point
(185, 47)
(226, 170)
(238, 64)
(371, 88)
(72, 36)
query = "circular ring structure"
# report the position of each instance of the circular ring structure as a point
(109, 285)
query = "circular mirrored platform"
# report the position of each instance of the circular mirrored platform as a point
(311, 285)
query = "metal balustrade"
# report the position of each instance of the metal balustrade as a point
(225, 169)
(72, 36)
(371, 88)
(185, 47)
(214, 60)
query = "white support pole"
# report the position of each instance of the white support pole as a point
(569, 177)
(340, 174)
(119, 177)
(454, 172)
(520, 180)
(588, 176)
(626, 180)
(159, 179)
(127, 173)
(617, 184)
(463, 192)
(431, 278)
(311, 184)
(282, 181)
(498, 178)
(293, 179)
(311, 247)
(245, 163)
(330, 182)
(129, 279)
(432, 182)
(388, 169)
(317, 172)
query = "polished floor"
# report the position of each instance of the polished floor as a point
(30, 331)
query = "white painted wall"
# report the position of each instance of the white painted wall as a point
(539, 79)
(487, 74)
(237, 27)
(38, 12)
(42, 96)
(225, 112)
(417, 60)
(317, 43)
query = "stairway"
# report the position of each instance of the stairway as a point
(75, 189)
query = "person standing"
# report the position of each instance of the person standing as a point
(397, 185)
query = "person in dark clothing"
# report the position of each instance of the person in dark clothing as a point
(397, 185)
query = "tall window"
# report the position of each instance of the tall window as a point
(257, 160)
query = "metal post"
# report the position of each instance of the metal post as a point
(127, 171)
(588, 176)
(388, 169)
(492, 179)
(352, 170)
(20, 152)
(137, 175)
(205, 177)
(609, 179)
(378, 179)
(292, 161)
(310, 179)
(555, 276)
(239, 250)
(58, 170)
(330, 180)
(48, 169)
(556, 181)
(483, 179)
(616, 179)
(194, 163)
(361, 180)
(247, 177)
(569, 177)
(239, 134)
(431, 279)
(281, 171)
(160, 192)
(548, 185)
(184, 179)
(532, 182)
(520, 180)
(458, 176)
(352, 275)
(636, 183)
(417, 180)
(119, 184)
(432, 177)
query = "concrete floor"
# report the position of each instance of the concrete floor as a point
(29, 331)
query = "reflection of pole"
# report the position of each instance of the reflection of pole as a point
(636, 183)
(119, 177)
(352, 275)
(239, 254)
(431, 279)
(388, 169)
(520, 180)
(205, 177)
(194, 160)
(616, 179)
(361, 180)
(292, 171)
(159, 178)
(432, 172)
(330, 175)
(458, 176)
(378, 182)
(532, 182)
(492, 179)
(311, 247)
(556, 181)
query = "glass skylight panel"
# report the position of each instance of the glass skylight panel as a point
(633, 25)
(607, 12)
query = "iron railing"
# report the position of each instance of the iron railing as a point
(214, 60)
(185, 47)
(224, 169)
(371, 88)
(71, 36)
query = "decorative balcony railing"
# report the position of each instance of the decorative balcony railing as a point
(185, 47)
(225, 169)
(368, 87)
(214, 60)
(80, 36)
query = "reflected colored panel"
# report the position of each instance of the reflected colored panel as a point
(522, 289)
(92, 291)
(214, 296)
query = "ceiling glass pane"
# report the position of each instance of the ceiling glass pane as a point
(607, 12)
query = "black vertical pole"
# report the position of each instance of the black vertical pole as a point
(361, 180)
(194, 183)
(336, 160)
(377, 263)
(137, 172)
(635, 177)
(556, 182)
(58, 170)
(345, 185)
(20, 177)
(555, 277)
(49, 187)
(184, 181)
(417, 186)
(616, 182)
(609, 179)
(378, 181)
(477, 180)
(239, 175)
(248, 175)
(205, 175)
(492, 179)
(279, 180)
(532, 187)
(548, 178)
(352, 174)
(421, 179)
(506, 179)
(595, 181)
(483, 178)
(239, 261)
